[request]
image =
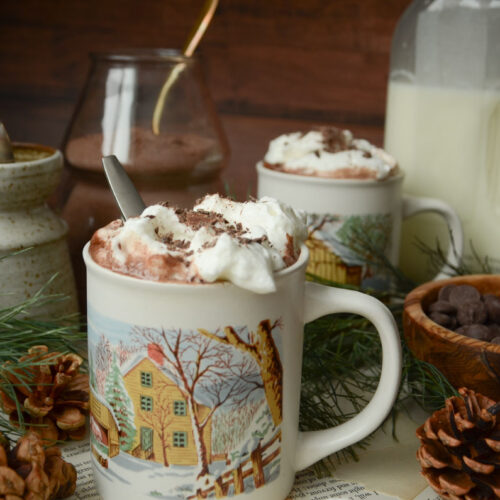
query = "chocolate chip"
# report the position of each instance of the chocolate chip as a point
(462, 294)
(443, 319)
(494, 329)
(489, 296)
(476, 316)
(444, 292)
(473, 312)
(478, 332)
(442, 306)
(492, 303)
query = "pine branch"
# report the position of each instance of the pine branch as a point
(19, 332)
(342, 357)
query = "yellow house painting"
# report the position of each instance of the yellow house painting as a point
(324, 263)
(161, 415)
(104, 425)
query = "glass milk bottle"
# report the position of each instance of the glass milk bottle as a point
(443, 122)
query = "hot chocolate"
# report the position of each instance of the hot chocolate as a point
(219, 239)
(142, 152)
(329, 152)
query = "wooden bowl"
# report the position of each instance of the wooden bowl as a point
(463, 361)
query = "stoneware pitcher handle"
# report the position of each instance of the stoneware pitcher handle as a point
(413, 205)
(320, 300)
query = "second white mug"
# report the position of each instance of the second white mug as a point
(355, 225)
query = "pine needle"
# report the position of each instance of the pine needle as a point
(342, 360)
(19, 332)
(438, 260)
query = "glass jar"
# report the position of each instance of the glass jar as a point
(178, 164)
(443, 123)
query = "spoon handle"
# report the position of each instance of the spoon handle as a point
(126, 195)
(200, 27)
(192, 42)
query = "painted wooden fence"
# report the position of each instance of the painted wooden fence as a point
(252, 466)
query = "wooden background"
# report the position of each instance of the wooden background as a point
(272, 66)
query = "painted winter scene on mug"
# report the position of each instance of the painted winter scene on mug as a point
(348, 248)
(184, 413)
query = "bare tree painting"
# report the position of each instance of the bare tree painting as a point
(103, 355)
(315, 222)
(202, 369)
(263, 350)
(124, 352)
(160, 419)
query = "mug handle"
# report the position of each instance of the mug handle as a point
(413, 205)
(320, 300)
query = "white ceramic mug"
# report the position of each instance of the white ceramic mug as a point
(353, 222)
(195, 388)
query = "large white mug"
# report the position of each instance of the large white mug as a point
(355, 224)
(195, 388)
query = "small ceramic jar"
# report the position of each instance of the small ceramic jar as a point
(33, 248)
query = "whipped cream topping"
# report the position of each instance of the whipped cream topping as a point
(329, 152)
(219, 239)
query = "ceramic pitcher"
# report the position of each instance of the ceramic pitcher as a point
(34, 256)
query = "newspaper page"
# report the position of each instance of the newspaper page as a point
(79, 455)
(308, 487)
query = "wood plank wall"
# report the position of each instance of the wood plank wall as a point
(272, 66)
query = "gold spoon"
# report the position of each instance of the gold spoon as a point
(193, 40)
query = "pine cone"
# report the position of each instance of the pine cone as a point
(30, 472)
(52, 394)
(460, 448)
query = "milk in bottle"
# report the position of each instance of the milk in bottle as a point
(443, 123)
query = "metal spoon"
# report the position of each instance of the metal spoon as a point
(192, 42)
(6, 154)
(126, 195)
